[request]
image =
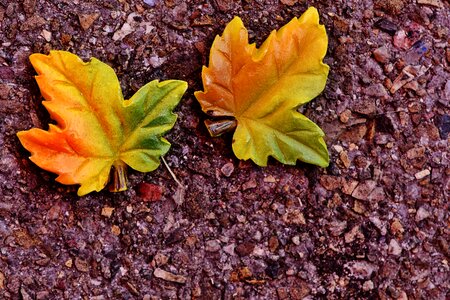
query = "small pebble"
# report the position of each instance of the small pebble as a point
(245, 248)
(422, 214)
(290, 272)
(229, 249)
(345, 116)
(270, 179)
(273, 243)
(382, 55)
(241, 218)
(350, 236)
(368, 285)
(360, 269)
(149, 191)
(47, 35)
(212, 246)
(387, 26)
(251, 184)
(150, 3)
(259, 252)
(227, 169)
(376, 90)
(129, 209)
(160, 259)
(336, 228)
(42, 295)
(394, 248)
(338, 148)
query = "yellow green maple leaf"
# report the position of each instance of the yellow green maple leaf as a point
(260, 89)
(96, 128)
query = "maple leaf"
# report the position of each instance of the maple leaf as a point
(96, 128)
(260, 89)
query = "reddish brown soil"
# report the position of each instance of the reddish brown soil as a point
(374, 224)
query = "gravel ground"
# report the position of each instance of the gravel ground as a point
(373, 225)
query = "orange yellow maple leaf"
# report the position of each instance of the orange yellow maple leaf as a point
(96, 128)
(261, 89)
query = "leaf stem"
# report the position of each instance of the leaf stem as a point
(220, 127)
(119, 177)
(171, 173)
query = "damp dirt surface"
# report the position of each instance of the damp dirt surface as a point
(373, 225)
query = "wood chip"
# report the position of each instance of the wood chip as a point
(330, 182)
(417, 152)
(345, 116)
(2, 281)
(353, 134)
(24, 239)
(224, 5)
(436, 3)
(25, 295)
(396, 227)
(270, 179)
(363, 190)
(273, 243)
(294, 216)
(178, 197)
(107, 211)
(33, 23)
(244, 273)
(422, 174)
(289, 2)
(349, 186)
(350, 236)
(344, 159)
(160, 273)
(359, 207)
(132, 289)
(408, 74)
(81, 265)
(122, 32)
(86, 20)
(69, 263)
(115, 230)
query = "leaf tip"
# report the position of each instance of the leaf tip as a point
(311, 15)
(236, 20)
(184, 85)
(19, 134)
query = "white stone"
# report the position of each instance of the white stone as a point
(394, 248)
(422, 174)
(47, 35)
(422, 214)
